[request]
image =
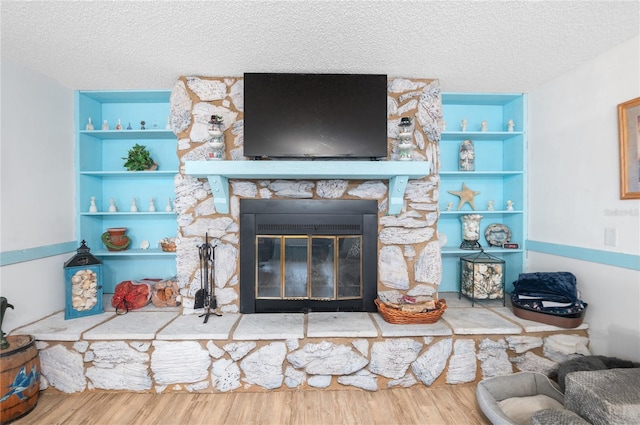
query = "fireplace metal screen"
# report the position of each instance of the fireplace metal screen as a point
(303, 255)
(303, 267)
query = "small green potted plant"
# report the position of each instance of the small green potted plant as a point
(139, 159)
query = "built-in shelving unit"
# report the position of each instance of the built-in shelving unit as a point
(100, 173)
(499, 176)
(397, 172)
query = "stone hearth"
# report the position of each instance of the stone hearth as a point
(161, 350)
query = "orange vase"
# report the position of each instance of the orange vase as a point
(115, 239)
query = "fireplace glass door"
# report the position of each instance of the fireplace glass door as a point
(297, 267)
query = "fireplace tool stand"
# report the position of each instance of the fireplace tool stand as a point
(204, 297)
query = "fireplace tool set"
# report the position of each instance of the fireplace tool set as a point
(204, 297)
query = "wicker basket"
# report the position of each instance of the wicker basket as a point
(399, 317)
(168, 246)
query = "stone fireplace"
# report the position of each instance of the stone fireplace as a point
(170, 350)
(308, 255)
(407, 252)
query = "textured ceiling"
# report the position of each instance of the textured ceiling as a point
(475, 46)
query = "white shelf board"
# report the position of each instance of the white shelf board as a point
(479, 135)
(129, 174)
(136, 252)
(483, 212)
(449, 250)
(129, 134)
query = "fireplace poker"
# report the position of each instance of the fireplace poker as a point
(204, 297)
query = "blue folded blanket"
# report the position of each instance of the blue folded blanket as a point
(549, 286)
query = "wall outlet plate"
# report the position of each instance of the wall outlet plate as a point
(610, 236)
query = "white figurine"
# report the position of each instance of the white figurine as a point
(168, 208)
(484, 126)
(168, 124)
(510, 125)
(105, 125)
(112, 205)
(93, 208)
(490, 205)
(463, 124)
(89, 125)
(152, 206)
(134, 207)
(509, 206)
(444, 125)
(449, 206)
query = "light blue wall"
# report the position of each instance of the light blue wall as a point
(37, 209)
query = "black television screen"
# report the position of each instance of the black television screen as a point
(315, 115)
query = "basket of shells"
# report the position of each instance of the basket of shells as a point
(410, 311)
(168, 244)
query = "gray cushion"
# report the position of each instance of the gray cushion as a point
(490, 391)
(608, 397)
(556, 417)
(520, 409)
(582, 363)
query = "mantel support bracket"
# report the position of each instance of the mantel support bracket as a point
(220, 191)
(397, 186)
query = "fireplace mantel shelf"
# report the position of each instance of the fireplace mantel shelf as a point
(219, 172)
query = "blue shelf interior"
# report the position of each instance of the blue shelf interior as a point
(101, 174)
(499, 175)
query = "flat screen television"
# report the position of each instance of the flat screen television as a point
(311, 116)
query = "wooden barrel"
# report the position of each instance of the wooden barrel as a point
(19, 377)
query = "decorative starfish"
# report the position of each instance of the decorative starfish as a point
(466, 196)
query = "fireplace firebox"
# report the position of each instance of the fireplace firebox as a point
(308, 255)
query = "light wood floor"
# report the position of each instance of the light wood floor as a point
(403, 406)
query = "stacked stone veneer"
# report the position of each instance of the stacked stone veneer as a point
(409, 259)
(370, 364)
